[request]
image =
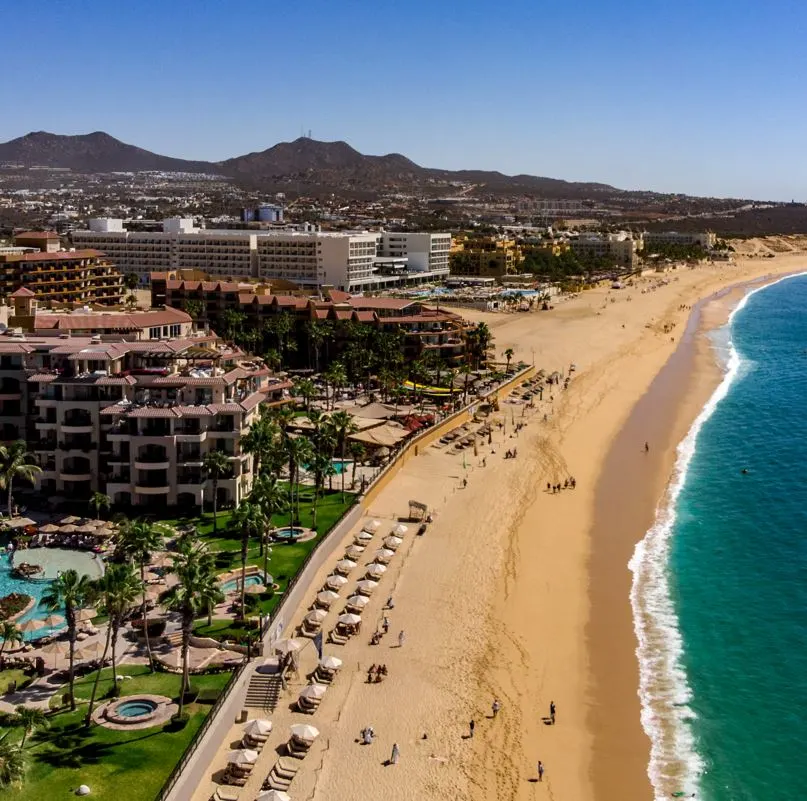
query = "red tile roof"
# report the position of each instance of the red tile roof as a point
(37, 235)
(22, 292)
(380, 303)
(63, 255)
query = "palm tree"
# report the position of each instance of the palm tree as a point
(9, 634)
(69, 591)
(300, 452)
(508, 354)
(12, 764)
(357, 451)
(30, 718)
(335, 377)
(132, 280)
(343, 426)
(198, 587)
(306, 390)
(249, 521)
(215, 464)
(18, 462)
(118, 590)
(258, 440)
(99, 501)
(270, 496)
(138, 540)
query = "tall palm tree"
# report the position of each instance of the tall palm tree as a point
(99, 501)
(30, 718)
(343, 426)
(306, 390)
(248, 521)
(12, 764)
(17, 462)
(335, 377)
(138, 540)
(191, 597)
(117, 590)
(271, 497)
(300, 452)
(9, 634)
(358, 452)
(69, 591)
(508, 354)
(258, 440)
(215, 464)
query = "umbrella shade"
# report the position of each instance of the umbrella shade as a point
(317, 616)
(345, 565)
(56, 647)
(103, 533)
(83, 615)
(384, 554)
(255, 589)
(31, 625)
(366, 587)
(336, 581)
(372, 526)
(349, 619)
(363, 536)
(305, 732)
(393, 542)
(376, 570)
(314, 692)
(330, 662)
(258, 726)
(273, 795)
(327, 597)
(359, 601)
(400, 530)
(90, 651)
(66, 521)
(54, 620)
(242, 756)
(68, 529)
(85, 529)
(97, 523)
(354, 552)
(48, 528)
(288, 646)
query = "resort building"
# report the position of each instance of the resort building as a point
(704, 239)
(485, 256)
(61, 276)
(307, 257)
(620, 246)
(112, 407)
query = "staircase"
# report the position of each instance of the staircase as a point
(263, 691)
(173, 639)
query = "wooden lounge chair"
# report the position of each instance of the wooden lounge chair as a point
(274, 782)
(295, 750)
(238, 781)
(223, 794)
(337, 639)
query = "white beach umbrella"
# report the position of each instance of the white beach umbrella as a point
(358, 601)
(259, 727)
(91, 650)
(345, 565)
(392, 542)
(53, 620)
(354, 552)
(363, 536)
(305, 732)
(330, 662)
(400, 530)
(289, 646)
(242, 756)
(314, 692)
(366, 587)
(349, 619)
(372, 526)
(316, 616)
(376, 571)
(48, 528)
(273, 795)
(31, 625)
(57, 647)
(336, 582)
(384, 555)
(327, 597)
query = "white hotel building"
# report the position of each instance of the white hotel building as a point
(351, 261)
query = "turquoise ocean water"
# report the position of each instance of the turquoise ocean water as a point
(720, 582)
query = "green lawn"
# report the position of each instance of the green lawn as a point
(286, 558)
(9, 675)
(119, 765)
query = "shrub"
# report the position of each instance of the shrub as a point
(177, 723)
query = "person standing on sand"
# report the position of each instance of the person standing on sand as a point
(552, 712)
(646, 448)
(401, 638)
(496, 707)
(471, 727)
(396, 753)
(540, 771)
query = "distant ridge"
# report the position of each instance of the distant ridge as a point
(306, 165)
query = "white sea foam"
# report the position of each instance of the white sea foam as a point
(675, 764)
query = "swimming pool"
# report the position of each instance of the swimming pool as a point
(52, 560)
(235, 584)
(287, 533)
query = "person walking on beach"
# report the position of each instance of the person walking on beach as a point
(646, 448)
(552, 712)
(396, 753)
(540, 771)
(471, 727)
(401, 638)
(496, 707)
(385, 624)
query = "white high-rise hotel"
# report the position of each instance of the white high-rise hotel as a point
(352, 261)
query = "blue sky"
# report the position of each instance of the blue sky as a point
(700, 97)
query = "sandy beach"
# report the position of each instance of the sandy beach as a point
(517, 593)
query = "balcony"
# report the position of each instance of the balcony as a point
(141, 464)
(45, 425)
(76, 428)
(75, 476)
(10, 396)
(143, 490)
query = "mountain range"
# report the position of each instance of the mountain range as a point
(305, 165)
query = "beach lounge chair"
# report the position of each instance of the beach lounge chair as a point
(296, 749)
(337, 639)
(223, 794)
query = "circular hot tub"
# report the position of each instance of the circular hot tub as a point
(136, 711)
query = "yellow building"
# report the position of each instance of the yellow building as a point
(484, 256)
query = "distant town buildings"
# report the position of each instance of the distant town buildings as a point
(704, 239)
(621, 247)
(36, 264)
(266, 212)
(351, 261)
